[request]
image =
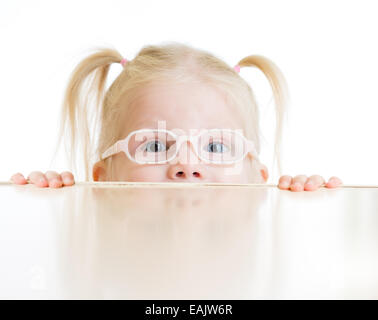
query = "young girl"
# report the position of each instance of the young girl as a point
(170, 103)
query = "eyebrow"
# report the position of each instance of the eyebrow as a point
(152, 124)
(186, 132)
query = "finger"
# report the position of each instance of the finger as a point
(54, 178)
(297, 184)
(68, 178)
(38, 178)
(284, 182)
(313, 182)
(333, 182)
(18, 178)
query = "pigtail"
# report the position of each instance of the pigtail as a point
(280, 93)
(86, 86)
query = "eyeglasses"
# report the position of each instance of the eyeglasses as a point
(150, 146)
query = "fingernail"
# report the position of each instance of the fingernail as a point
(42, 180)
(309, 184)
(336, 183)
(55, 181)
(297, 185)
(284, 184)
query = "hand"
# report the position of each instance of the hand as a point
(302, 183)
(49, 179)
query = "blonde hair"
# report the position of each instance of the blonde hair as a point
(87, 104)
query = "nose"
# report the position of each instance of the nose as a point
(187, 166)
(181, 172)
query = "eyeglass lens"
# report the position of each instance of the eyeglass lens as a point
(159, 146)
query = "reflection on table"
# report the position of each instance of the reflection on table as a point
(223, 242)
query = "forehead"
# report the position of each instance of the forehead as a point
(191, 106)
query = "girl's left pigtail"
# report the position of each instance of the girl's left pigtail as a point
(280, 93)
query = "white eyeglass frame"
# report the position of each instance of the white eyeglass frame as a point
(122, 145)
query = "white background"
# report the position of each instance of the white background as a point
(327, 51)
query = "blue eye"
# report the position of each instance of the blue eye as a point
(154, 146)
(216, 147)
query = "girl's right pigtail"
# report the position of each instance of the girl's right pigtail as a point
(79, 118)
(280, 93)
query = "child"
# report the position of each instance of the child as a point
(170, 103)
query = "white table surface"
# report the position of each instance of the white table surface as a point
(183, 241)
